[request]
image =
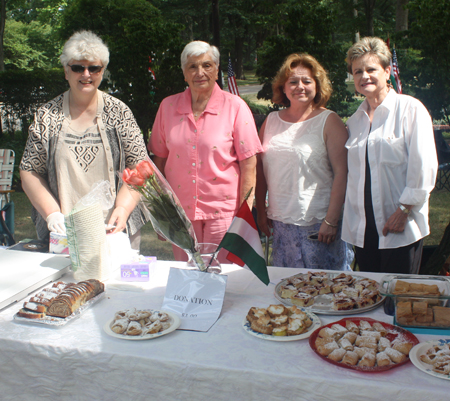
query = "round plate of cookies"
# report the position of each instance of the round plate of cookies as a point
(133, 324)
(433, 358)
(330, 293)
(363, 344)
(280, 323)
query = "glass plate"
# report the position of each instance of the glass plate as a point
(421, 349)
(393, 332)
(174, 324)
(322, 303)
(61, 321)
(316, 323)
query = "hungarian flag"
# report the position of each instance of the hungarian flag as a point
(395, 78)
(232, 85)
(244, 245)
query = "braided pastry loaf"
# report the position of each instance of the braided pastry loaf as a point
(73, 296)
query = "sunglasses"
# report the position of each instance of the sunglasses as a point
(79, 69)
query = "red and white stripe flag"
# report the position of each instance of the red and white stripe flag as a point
(232, 85)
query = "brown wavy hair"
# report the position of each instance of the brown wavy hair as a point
(323, 84)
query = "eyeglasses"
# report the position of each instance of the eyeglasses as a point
(79, 69)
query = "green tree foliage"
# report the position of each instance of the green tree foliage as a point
(135, 33)
(24, 91)
(429, 74)
(29, 45)
(307, 27)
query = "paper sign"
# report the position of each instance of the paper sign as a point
(196, 297)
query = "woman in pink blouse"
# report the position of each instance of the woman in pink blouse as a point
(205, 142)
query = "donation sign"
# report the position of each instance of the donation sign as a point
(195, 296)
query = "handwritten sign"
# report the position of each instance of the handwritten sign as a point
(196, 297)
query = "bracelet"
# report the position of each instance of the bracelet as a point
(329, 224)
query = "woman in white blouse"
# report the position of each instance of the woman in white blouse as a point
(392, 167)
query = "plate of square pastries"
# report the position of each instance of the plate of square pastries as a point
(363, 344)
(330, 293)
(280, 323)
(146, 324)
(432, 357)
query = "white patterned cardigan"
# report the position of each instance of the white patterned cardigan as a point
(125, 141)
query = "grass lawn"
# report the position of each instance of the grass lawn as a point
(151, 246)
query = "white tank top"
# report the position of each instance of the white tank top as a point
(297, 169)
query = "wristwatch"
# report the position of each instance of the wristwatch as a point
(404, 209)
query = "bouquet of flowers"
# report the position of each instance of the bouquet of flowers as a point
(166, 213)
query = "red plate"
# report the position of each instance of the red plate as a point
(393, 332)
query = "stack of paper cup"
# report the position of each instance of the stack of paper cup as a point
(86, 236)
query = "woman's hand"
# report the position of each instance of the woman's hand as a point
(264, 224)
(396, 223)
(327, 234)
(118, 219)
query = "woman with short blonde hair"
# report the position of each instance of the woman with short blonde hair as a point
(392, 167)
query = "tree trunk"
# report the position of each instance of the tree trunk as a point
(369, 7)
(355, 14)
(239, 45)
(401, 16)
(216, 34)
(2, 31)
(2, 59)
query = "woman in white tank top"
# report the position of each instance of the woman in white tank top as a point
(304, 170)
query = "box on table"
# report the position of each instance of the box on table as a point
(420, 301)
(58, 243)
(137, 270)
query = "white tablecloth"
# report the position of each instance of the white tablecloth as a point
(80, 361)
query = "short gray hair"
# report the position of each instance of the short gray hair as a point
(197, 48)
(85, 45)
(369, 45)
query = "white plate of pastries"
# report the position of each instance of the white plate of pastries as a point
(432, 357)
(280, 323)
(330, 293)
(144, 324)
(363, 344)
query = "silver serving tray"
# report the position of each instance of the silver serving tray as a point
(323, 303)
(61, 321)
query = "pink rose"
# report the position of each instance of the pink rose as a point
(132, 177)
(145, 169)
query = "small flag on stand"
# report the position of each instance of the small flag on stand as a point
(395, 78)
(232, 85)
(244, 245)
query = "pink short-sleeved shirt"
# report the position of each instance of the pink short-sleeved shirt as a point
(203, 156)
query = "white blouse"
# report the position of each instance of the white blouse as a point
(403, 166)
(297, 170)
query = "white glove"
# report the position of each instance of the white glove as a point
(55, 223)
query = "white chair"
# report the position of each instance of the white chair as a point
(7, 158)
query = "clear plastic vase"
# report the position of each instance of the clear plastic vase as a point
(205, 259)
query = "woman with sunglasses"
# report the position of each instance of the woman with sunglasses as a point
(79, 138)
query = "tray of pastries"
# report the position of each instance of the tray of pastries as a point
(141, 324)
(363, 344)
(433, 358)
(329, 293)
(61, 302)
(280, 323)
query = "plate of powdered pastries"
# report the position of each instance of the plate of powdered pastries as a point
(329, 293)
(432, 357)
(363, 344)
(141, 324)
(280, 323)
